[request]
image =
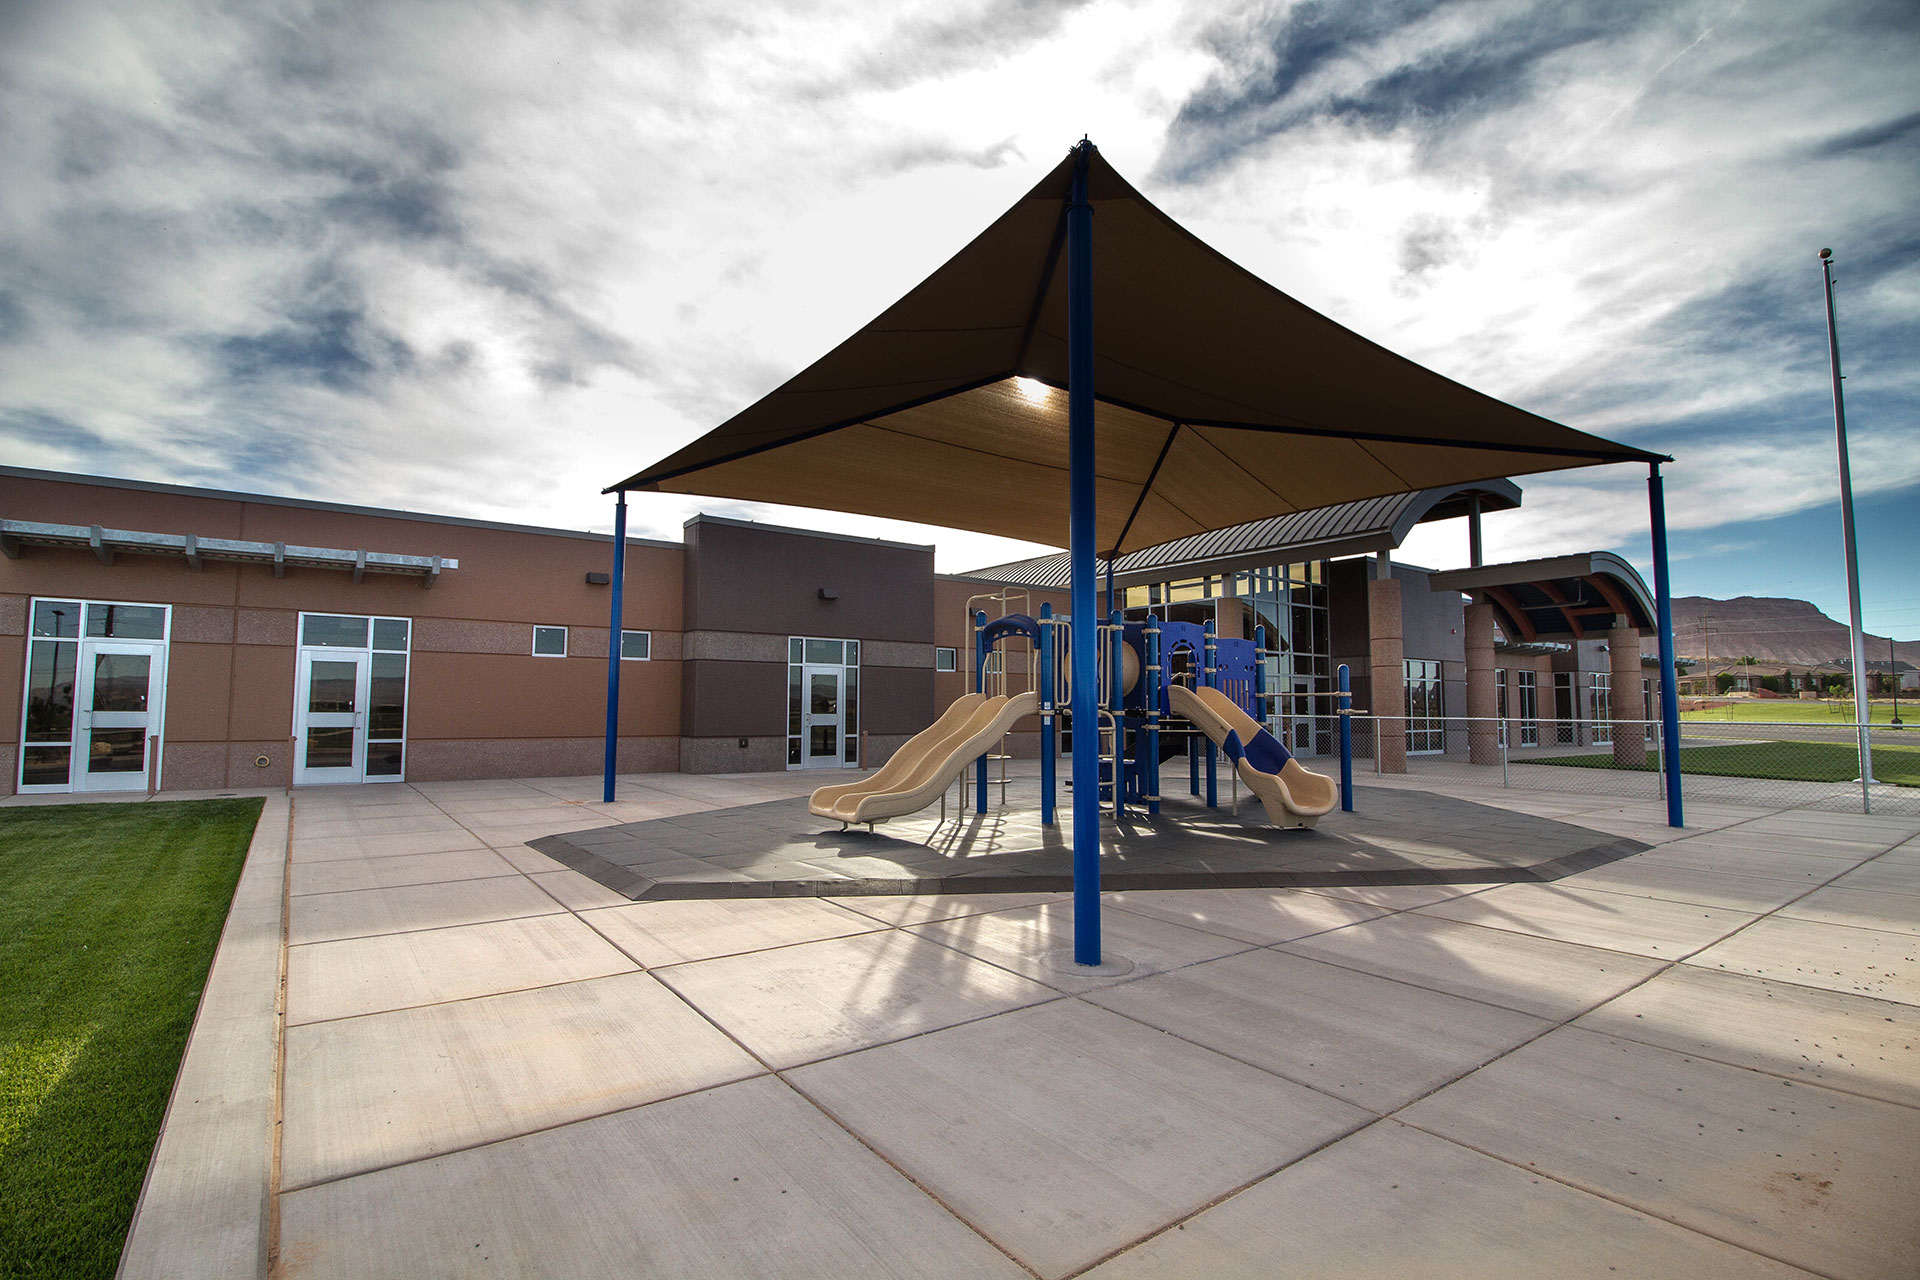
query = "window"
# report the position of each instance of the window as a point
(324, 629)
(1602, 707)
(1527, 690)
(551, 642)
(946, 659)
(1426, 708)
(635, 646)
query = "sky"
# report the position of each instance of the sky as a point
(485, 258)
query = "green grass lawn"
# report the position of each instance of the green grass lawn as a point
(1794, 711)
(1787, 761)
(109, 914)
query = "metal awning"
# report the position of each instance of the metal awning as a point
(17, 535)
(1345, 529)
(1558, 598)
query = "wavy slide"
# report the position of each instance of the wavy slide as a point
(926, 765)
(1293, 795)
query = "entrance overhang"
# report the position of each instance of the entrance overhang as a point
(1560, 598)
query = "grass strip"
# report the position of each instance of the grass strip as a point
(1793, 711)
(109, 916)
(1781, 761)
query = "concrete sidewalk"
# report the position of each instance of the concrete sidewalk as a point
(1698, 1060)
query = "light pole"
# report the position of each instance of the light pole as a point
(1861, 708)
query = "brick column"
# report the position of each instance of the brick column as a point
(1623, 647)
(1483, 735)
(1387, 658)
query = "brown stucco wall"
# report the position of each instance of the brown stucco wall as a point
(747, 588)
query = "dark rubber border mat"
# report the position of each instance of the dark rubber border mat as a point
(779, 850)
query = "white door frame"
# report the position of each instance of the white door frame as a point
(86, 720)
(809, 720)
(305, 720)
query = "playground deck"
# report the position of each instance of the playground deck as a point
(778, 849)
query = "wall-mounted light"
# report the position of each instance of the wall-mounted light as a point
(599, 579)
(828, 593)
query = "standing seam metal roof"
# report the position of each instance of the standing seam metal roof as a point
(1345, 528)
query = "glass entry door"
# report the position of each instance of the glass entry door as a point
(330, 724)
(1305, 718)
(824, 689)
(116, 700)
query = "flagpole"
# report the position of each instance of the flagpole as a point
(1861, 709)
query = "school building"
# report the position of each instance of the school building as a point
(174, 638)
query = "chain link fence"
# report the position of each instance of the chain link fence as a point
(1773, 764)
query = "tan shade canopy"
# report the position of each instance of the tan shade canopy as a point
(1220, 399)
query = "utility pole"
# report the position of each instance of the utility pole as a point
(1862, 710)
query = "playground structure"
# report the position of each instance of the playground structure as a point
(1158, 683)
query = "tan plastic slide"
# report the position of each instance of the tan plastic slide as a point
(926, 765)
(1294, 797)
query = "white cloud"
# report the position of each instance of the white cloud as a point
(486, 258)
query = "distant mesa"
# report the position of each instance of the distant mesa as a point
(1770, 629)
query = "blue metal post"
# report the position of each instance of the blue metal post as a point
(1193, 765)
(1047, 631)
(1346, 740)
(613, 646)
(980, 652)
(1080, 538)
(1261, 711)
(1117, 703)
(1152, 678)
(1669, 694)
(1209, 673)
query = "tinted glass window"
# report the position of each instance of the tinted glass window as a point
(334, 632)
(120, 681)
(390, 633)
(636, 645)
(550, 642)
(50, 674)
(127, 621)
(387, 698)
(56, 618)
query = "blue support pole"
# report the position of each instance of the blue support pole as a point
(1080, 537)
(1047, 626)
(1209, 674)
(614, 626)
(1669, 693)
(1261, 711)
(1151, 676)
(1117, 703)
(1346, 740)
(980, 652)
(1193, 765)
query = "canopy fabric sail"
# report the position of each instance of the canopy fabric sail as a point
(1220, 399)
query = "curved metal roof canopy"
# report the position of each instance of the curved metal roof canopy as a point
(1350, 528)
(1220, 399)
(1559, 598)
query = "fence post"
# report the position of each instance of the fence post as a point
(1346, 740)
(1503, 755)
(1866, 754)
